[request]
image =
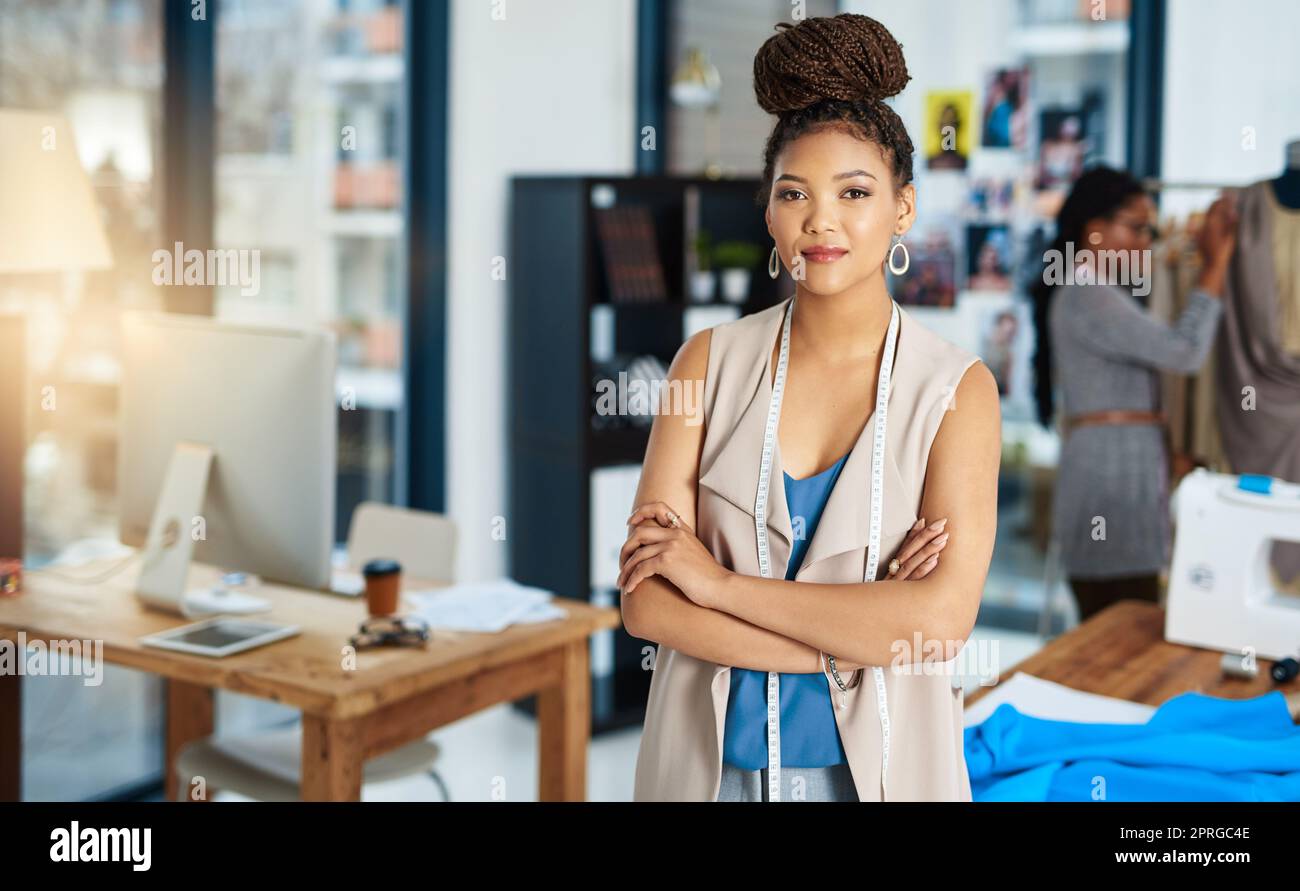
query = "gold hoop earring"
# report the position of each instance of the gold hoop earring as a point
(774, 263)
(907, 258)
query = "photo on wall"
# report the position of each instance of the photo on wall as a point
(1006, 109)
(1093, 112)
(1062, 149)
(948, 123)
(988, 257)
(997, 346)
(931, 277)
(991, 198)
(1006, 342)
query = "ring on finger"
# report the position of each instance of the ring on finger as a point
(672, 518)
(894, 566)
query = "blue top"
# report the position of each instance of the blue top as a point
(1193, 748)
(809, 735)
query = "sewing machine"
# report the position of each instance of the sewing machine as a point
(1221, 593)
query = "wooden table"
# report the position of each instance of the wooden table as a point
(1121, 652)
(393, 696)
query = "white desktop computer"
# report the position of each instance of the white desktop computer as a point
(226, 455)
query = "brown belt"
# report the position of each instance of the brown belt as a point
(1114, 416)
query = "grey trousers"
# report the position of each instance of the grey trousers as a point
(834, 783)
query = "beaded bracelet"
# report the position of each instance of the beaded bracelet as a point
(834, 672)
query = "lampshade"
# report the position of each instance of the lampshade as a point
(697, 83)
(48, 218)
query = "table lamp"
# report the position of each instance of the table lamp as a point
(48, 223)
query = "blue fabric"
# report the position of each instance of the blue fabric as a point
(1193, 748)
(809, 735)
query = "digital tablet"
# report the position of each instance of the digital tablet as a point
(220, 636)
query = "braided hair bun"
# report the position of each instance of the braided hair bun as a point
(848, 57)
(832, 71)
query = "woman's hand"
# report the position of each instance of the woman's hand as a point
(661, 543)
(919, 553)
(1215, 241)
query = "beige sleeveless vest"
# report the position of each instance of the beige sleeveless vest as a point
(680, 758)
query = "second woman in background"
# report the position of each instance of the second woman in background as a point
(1105, 352)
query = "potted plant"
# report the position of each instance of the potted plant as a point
(736, 260)
(703, 279)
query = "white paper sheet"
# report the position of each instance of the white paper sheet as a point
(1044, 699)
(484, 606)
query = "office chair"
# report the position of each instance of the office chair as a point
(424, 543)
(267, 766)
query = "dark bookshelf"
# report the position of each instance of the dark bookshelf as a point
(557, 277)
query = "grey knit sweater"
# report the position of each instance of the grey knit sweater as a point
(1111, 506)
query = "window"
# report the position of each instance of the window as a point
(308, 174)
(99, 63)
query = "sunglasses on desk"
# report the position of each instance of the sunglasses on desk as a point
(391, 631)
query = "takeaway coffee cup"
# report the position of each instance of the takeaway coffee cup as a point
(383, 586)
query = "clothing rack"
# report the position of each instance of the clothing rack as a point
(1151, 184)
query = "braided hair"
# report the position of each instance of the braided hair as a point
(833, 71)
(1095, 195)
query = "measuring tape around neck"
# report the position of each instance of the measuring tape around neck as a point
(873, 547)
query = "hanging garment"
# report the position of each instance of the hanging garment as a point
(1194, 748)
(1259, 380)
(1286, 260)
(1189, 399)
(1163, 303)
(1206, 445)
(680, 757)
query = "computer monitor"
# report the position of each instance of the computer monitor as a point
(228, 441)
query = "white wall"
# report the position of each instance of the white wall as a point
(1228, 66)
(550, 89)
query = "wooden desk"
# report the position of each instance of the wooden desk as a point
(1122, 652)
(393, 696)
